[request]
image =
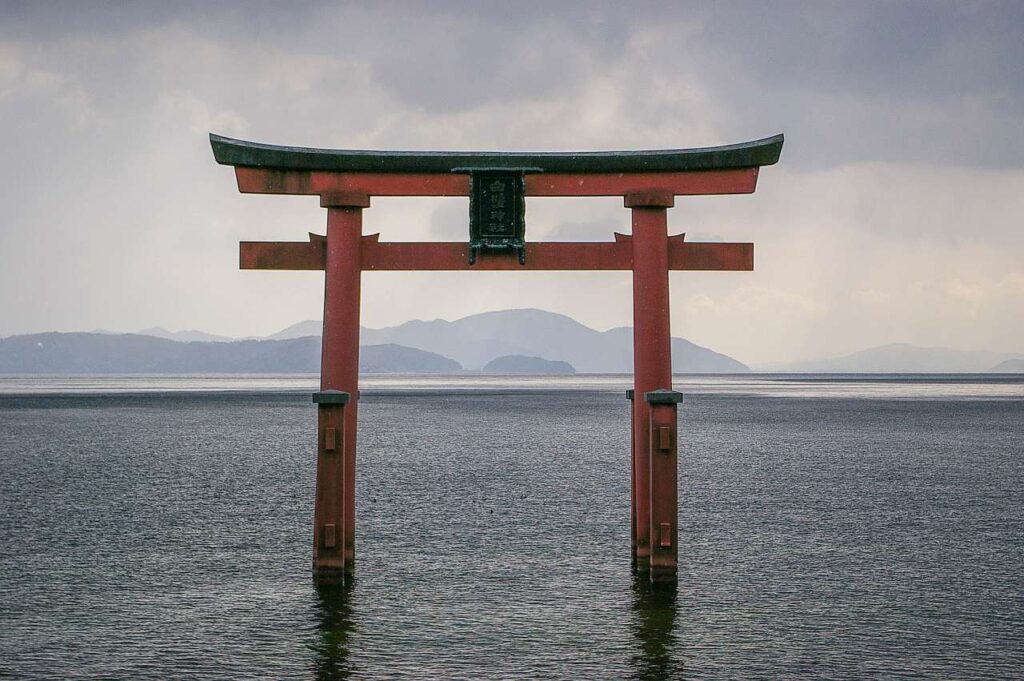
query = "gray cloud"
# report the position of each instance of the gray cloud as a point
(903, 125)
(919, 81)
(593, 230)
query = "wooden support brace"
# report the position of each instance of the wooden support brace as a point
(543, 256)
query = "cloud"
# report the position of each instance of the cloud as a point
(594, 230)
(894, 214)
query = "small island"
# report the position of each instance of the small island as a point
(521, 364)
(1010, 366)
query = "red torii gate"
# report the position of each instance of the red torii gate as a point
(497, 184)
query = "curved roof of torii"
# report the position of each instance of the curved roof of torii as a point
(234, 152)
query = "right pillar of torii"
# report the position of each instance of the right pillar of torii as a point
(654, 455)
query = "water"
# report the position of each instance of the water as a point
(830, 527)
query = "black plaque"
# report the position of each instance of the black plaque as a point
(497, 208)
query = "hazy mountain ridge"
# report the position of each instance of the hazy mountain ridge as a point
(440, 346)
(1010, 366)
(309, 327)
(478, 339)
(389, 358)
(904, 358)
(90, 353)
(186, 336)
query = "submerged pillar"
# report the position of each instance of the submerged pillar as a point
(632, 483)
(329, 506)
(663, 458)
(339, 365)
(652, 344)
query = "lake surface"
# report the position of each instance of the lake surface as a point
(842, 527)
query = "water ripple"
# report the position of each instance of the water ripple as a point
(168, 535)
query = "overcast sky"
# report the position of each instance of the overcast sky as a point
(895, 214)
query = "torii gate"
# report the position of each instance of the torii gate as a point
(497, 184)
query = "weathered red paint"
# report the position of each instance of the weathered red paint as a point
(282, 255)
(709, 256)
(632, 479)
(271, 181)
(664, 491)
(328, 509)
(344, 199)
(539, 257)
(339, 368)
(649, 198)
(652, 351)
(738, 181)
(544, 256)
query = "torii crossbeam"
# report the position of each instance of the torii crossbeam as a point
(497, 185)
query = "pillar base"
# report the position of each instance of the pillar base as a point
(327, 572)
(662, 575)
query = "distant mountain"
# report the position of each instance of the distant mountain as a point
(436, 346)
(519, 364)
(476, 340)
(906, 358)
(1010, 366)
(310, 327)
(391, 358)
(90, 353)
(184, 336)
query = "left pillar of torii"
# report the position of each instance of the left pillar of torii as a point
(334, 515)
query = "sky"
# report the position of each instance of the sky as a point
(894, 215)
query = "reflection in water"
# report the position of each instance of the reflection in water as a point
(654, 618)
(334, 610)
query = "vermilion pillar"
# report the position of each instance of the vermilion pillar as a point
(632, 483)
(663, 453)
(652, 344)
(339, 368)
(329, 507)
